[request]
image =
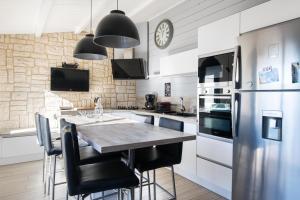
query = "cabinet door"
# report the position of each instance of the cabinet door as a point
(269, 13)
(187, 167)
(181, 63)
(20, 146)
(214, 177)
(215, 150)
(218, 36)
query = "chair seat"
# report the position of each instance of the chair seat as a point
(89, 155)
(151, 158)
(105, 176)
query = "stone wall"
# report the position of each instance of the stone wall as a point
(25, 63)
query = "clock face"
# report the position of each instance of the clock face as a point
(163, 34)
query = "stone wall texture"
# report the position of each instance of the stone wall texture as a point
(25, 62)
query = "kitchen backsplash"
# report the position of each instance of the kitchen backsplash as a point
(25, 62)
(181, 86)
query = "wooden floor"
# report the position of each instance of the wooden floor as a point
(24, 182)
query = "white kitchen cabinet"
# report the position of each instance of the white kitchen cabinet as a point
(19, 149)
(181, 63)
(214, 162)
(215, 150)
(187, 167)
(269, 13)
(214, 177)
(218, 36)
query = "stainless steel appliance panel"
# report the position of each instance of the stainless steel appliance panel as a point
(267, 168)
(270, 57)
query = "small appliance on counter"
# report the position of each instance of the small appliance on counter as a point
(163, 107)
(127, 107)
(150, 101)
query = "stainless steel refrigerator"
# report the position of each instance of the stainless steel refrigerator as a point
(266, 110)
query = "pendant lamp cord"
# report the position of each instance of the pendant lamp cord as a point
(117, 4)
(91, 16)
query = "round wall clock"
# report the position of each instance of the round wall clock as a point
(163, 34)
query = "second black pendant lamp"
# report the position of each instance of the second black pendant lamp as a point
(86, 49)
(116, 30)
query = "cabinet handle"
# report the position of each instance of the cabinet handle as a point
(214, 161)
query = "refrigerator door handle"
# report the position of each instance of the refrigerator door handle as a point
(236, 103)
(236, 74)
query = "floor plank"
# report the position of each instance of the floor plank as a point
(24, 182)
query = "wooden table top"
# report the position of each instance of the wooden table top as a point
(125, 134)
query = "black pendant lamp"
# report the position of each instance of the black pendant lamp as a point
(116, 30)
(86, 49)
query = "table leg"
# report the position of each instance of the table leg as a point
(130, 163)
(131, 158)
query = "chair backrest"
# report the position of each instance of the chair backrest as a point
(174, 151)
(71, 166)
(148, 119)
(46, 134)
(63, 125)
(37, 117)
(171, 124)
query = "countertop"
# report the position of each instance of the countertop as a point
(192, 120)
(149, 112)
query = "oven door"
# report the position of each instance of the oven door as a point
(215, 115)
(215, 69)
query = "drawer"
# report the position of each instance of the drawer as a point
(215, 177)
(215, 150)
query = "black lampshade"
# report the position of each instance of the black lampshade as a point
(86, 49)
(116, 30)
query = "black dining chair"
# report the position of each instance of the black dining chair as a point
(83, 180)
(52, 151)
(160, 156)
(86, 154)
(41, 144)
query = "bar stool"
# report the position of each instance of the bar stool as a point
(160, 156)
(83, 180)
(53, 151)
(40, 142)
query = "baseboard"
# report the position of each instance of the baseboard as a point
(20, 159)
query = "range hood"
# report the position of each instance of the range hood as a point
(124, 69)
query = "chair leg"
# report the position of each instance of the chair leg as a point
(149, 186)
(122, 194)
(49, 173)
(154, 185)
(44, 166)
(132, 193)
(119, 194)
(141, 185)
(45, 172)
(102, 193)
(53, 180)
(174, 184)
(67, 194)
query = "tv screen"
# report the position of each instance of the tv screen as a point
(128, 68)
(64, 79)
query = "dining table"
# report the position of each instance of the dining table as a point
(114, 134)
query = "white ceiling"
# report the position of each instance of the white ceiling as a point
(46, 16)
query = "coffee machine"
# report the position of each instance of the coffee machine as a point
(150, 101)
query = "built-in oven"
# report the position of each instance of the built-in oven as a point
(216, 70)
(214, 112)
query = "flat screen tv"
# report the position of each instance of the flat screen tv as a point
(128, 69)
(64, 79)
